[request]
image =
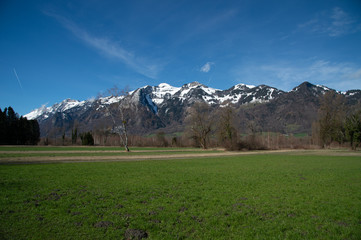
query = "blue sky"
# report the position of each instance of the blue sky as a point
(53, 50)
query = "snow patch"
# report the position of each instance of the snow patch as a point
(323, 87)
(72, 104)
(209, 90)
(161, 91)
(38, 112)
(188, 87)
(166, 88)
(110, 100)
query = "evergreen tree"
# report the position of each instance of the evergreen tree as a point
(34, 132)
(12, 130)
(353, 130)
(74, 136)
(17, 131)
(87, 139)
(3, 126)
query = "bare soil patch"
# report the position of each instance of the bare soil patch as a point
(160, 156)
(98, 151)
(135, 234)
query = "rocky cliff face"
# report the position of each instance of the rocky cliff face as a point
(164, 107)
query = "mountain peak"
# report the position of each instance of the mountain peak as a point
(194, 84)
(243, 86)
(164, 85)
(307, 84)
(303, 86)
(309, 89)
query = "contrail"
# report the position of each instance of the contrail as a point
(16, 75)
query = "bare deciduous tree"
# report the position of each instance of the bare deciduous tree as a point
(226, 130)
(117, 112)
(200, 123)
(331, 118)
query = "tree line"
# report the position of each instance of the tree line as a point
(15, 130)
(336, 122)
(207, 125)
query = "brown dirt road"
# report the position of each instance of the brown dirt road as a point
(70, 159)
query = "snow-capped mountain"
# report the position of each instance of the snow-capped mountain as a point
(164, 105)
(156, 96)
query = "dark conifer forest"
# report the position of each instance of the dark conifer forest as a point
(15, 130)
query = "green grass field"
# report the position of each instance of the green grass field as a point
(268, 196)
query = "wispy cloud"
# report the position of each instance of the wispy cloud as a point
(206, 67)
(338, 75)
(341, 76)
(110, 48)
(334, 23)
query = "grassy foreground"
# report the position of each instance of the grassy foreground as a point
(243, 197)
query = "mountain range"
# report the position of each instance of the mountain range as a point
(164, 108)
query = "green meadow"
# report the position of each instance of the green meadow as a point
(265, 196)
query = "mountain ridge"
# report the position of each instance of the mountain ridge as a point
(164, 106)
(180, 92)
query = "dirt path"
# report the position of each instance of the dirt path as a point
(47, 159)
(97, 151)
(68, 159)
